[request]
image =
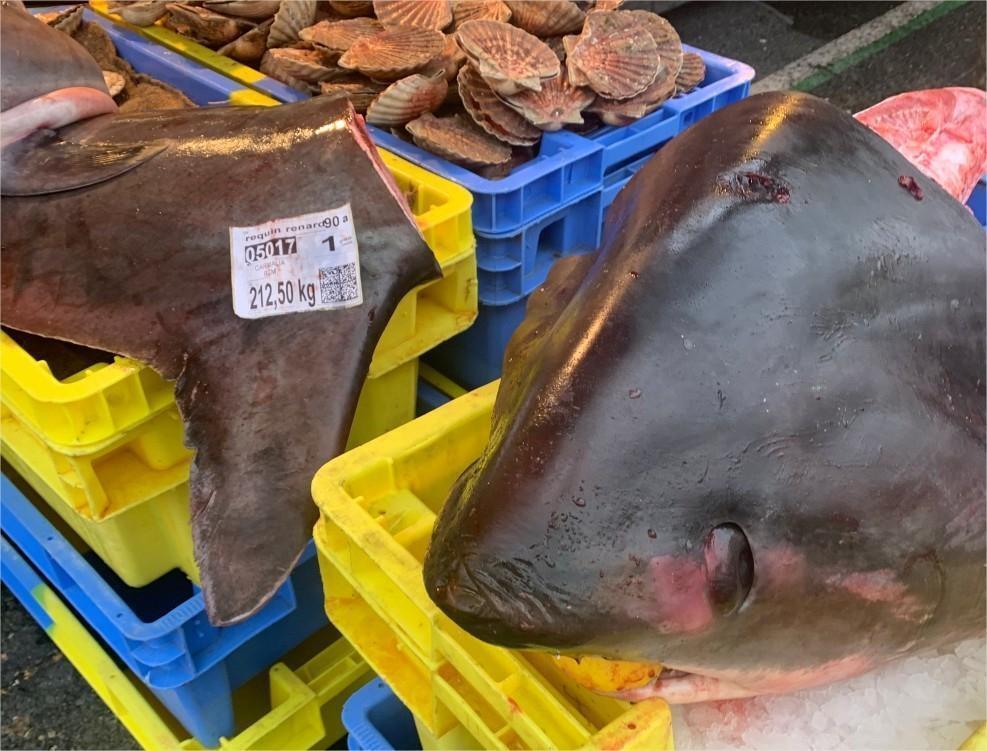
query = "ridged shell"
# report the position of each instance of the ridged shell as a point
(624, 111)
(114, 82)
(250, 47)
(692, 74)
(546, 18)
(258, 10)
(617, 65)
(339, 36)
(666, 37)
(509, 59)
(576, 77)
(360, 92)
(490, 113)
(310, 66)
(66, 20)
(449, 61)
(479, 10)
(271, 66)
(352, 8)
(422, 14)
(393, 53)
(142, 12)
(291, 18)
(461, 142)
(203, 25)
(556, 105)
(407, 99)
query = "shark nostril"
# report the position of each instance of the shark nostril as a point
(729, 567)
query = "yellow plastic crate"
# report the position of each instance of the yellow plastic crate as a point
(128, 499)
(297, 705)
(977, 741)
(378, 503)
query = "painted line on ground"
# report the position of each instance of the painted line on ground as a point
(831, 59)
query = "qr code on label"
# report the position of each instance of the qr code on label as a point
(338, 284)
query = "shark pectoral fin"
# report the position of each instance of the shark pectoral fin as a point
(43, 163)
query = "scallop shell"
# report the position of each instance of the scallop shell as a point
(360, 91)
(271, 66)
(449, 61)
(250, 47)
(423, 14)
(509, 59)
(407, 99)
(309, 66)
(490, 113)
(454, 139)
(140, 13)
(352, 8)
(291, 18)
(258, 10)
(66, 20)
(576, 77)
(618, 64)
(203, 25)
(666, 37)
(692, 74)
(624, 111)
(556, 105)
(546, 18)
(393, 53)
(114, 82)
(339, 36)
(479, 10)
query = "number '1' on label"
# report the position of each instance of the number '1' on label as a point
(296, 264)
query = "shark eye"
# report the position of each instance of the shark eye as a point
(729, 567)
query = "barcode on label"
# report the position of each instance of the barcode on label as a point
(338, 284)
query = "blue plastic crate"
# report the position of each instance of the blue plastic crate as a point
(475, 357)
(510, 267)
(376, 720)
(978, 201)
(569, 165)
(161, 631)
(200, 84)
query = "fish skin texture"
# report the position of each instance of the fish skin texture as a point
(140, 265)
(745, 438)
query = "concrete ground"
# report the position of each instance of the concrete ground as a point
(45, 704)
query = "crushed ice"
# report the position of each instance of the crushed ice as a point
(930, 701)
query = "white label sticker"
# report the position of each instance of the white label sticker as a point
(293, 265)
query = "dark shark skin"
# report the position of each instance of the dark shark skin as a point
(138, 263)
(745, 439)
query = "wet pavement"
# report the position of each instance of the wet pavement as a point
(45, 703)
